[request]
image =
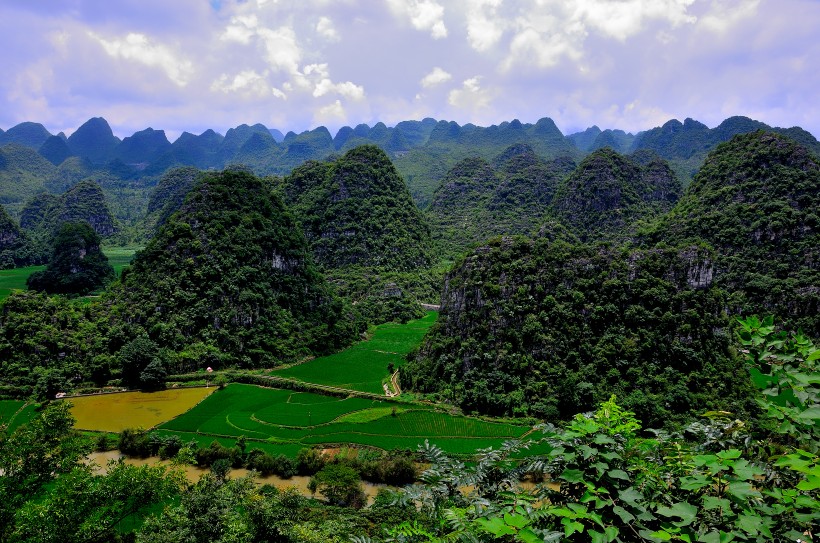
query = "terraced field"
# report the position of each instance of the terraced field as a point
(14, 413)
(363, 366)
(300, 418)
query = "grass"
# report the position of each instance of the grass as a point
(15, 413)
(15, 279)
(115, 412)
(302, 419)
(120, 257)
(363, 366)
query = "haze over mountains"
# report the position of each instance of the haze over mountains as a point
(423, 151)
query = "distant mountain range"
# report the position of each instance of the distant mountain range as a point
(423, 151)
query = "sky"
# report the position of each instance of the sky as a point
(191, 65)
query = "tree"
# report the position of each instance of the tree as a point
(136, 357)
(33, 456)
(339, 484)
(154, 375)
(77, 265)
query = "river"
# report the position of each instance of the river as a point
(193, 473)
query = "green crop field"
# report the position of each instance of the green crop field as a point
(363, 366)
(15, 279)
(120, 257)
(14, 413)
(303, 419)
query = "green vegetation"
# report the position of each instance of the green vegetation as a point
(755, 201)
(608, 194)
(365, 365)
(77, 265)
(600, 479)
(15, 413)
(230, 271)
(477, 200)
(364, 231)
(309, 419)
(547, 328)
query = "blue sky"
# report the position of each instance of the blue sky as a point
(297, 64)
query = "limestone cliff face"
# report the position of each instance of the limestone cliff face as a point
(15, 246)
(756, 201)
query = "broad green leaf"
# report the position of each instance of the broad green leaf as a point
(528, 536)
(694, 482)
(572, 475)
(516, 521)
(603, 439)
(618, 474)
(812, 413)
(611, 532)
(812, 482)
(729, 454)
(570, 527)
(746, 471)
(630, 496)
(662, 535)
(742, 490)
(495, 526)
(710, 503)
(625, 515)
(749, 524)
(685, 511)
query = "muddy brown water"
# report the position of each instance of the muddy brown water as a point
(193, 473)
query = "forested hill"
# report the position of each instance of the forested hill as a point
(549, 326)
(365, 232)
(609, 193)
(231, 273)
(477, 199)
(756, 201)
(356, 210)
(547, 329)
(32, 160)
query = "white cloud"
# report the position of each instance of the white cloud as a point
(326, 29)
(281, 49)
(470, 96)
(423, 15)
(547, 31)
(724, 15)
(436, 77)
(248, 82)
(484, 26)
(330, 113)
(138, 48)
(624, 19)
(346, 89)
(241, 29)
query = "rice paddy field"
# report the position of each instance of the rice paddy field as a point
(14, 413)
(115, 412)
(301, 419)
(363, 366)
(15, 279)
